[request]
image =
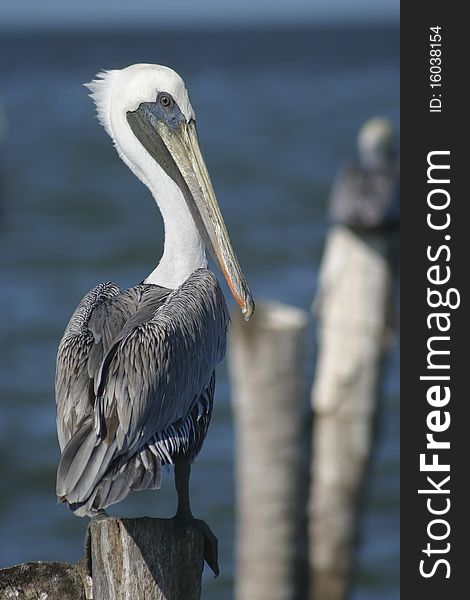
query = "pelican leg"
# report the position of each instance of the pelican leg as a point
(184, 515)
(85, 561)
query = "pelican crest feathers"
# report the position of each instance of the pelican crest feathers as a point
(101, 95)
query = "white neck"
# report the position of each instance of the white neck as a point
(184, 250)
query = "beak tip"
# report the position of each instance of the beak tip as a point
(247, 310)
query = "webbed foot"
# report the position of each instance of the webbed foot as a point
(211, 543)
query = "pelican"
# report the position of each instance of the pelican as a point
(135, 369)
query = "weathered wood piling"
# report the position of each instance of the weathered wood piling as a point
(146, 558)
(43, 581)
(138, 559)
(266, 363)
(352, 331)
(354, 306)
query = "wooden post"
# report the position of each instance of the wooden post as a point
(41, 581)
(146, 558)
(266, 362)
(142, 559)
(353, 305)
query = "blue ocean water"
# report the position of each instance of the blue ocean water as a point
(278, 112)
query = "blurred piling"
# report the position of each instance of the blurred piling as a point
(355, 318)
(266, 363)
(131, 558)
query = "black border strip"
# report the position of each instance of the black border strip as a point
(422, 132)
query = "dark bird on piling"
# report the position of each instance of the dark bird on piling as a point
(135, 368)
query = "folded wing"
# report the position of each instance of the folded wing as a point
(150, 362)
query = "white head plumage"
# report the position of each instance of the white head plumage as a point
(115, 92)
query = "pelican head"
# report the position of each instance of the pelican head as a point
(146, 110)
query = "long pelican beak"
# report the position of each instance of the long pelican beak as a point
(175, 147)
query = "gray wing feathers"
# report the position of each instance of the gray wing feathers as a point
(154, 374)
(83, 449)
(98, 485)
(148, 370)
(72, 380)
(142, 471)
(109, 319)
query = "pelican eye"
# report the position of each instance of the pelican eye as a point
(165, 100)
